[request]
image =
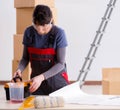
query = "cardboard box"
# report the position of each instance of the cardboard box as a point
(111, 74)
(26, 73)
(18, 46)
(32, 3)
(111, 87)
(111, 81)
(24, 18)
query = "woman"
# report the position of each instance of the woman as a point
(45, 48)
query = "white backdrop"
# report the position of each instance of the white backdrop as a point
(80, 19)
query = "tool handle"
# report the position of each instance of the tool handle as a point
(17, 78)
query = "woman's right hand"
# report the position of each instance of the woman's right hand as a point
(16, 74)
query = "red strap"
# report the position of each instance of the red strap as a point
(65, 76)
(41, 51)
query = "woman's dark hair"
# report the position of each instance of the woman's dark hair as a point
(42, 15)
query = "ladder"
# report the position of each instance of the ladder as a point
(96, 43)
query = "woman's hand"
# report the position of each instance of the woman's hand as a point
(17, 73)
(36, 82)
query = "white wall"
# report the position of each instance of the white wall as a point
(7, 29)
(80, 19)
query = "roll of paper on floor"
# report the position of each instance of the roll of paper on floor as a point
(48, 101)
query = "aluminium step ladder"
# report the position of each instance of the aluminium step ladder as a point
(96, 43)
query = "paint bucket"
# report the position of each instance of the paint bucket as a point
(16, 92)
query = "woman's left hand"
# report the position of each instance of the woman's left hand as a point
(36, 82)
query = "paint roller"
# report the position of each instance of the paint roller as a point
(39, 102)
(48, 101)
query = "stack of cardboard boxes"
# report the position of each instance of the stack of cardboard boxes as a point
(111, 81)
(24, 11)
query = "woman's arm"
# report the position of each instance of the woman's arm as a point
(61, 52)
(23, 62)
(25, 59)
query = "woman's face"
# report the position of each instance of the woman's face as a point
(43, 29)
